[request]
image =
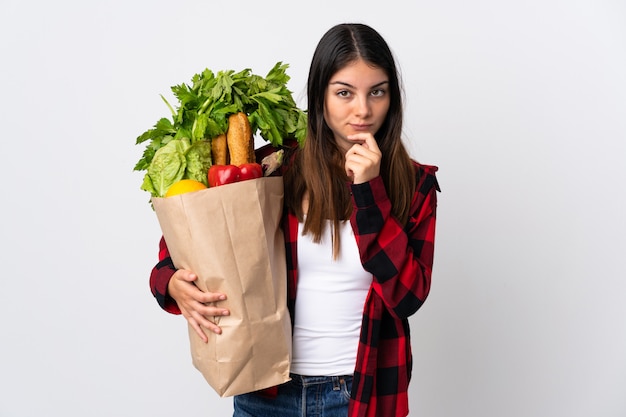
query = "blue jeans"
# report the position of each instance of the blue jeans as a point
(310, 396)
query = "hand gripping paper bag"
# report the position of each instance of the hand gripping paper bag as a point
(230, 237)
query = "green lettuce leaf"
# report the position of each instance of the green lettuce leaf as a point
(198, 158)
(167, 167)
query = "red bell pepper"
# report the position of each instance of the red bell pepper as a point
(228, 174)
(250, 171)
(223, 174)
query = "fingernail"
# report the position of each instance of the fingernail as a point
(222, 297)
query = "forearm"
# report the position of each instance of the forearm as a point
(159, 280)
(399, 256)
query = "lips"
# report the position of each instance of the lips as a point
(361, 128)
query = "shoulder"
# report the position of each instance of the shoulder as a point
(426, 177)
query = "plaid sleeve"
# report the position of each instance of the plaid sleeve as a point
(400, 257)
(160, 278)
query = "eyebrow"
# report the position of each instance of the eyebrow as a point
(351, 86)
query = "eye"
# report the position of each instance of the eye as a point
(378, 92)
(343, 93)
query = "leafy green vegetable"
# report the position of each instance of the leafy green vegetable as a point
(167, 167)
(198, 158)
(181, 147)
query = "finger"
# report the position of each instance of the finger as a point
(362, 164)
(366, 140)
(371, 144)
(360, 153)
(205, 297)
(206, 323)
(196, 327)
(353, 168)
(211, 310)
(185, 275)
(360, 159)
(199, 323)
(213, 297)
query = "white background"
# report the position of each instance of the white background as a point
(522, 105)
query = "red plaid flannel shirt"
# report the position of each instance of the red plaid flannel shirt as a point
(400, 258)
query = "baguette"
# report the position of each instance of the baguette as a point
(219, 150)
(239, 139)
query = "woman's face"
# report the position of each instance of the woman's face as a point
(357, 101)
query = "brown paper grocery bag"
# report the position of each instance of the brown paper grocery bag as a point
(230, 237)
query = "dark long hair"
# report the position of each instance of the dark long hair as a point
(318, 168)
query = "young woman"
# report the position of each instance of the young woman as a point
(359, 224)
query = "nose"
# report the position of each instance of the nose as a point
(362, 106)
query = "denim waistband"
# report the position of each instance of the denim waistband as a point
(304, 380)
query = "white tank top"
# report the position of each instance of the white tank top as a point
(329, 305)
